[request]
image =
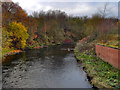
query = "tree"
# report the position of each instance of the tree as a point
(91, 25)
(6, 41)
(105, 11)
(107, 29)
(18, 34)
(75, 26)
(13, 12)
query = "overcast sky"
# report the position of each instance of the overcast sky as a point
(76, 8)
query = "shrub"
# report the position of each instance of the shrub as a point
(18, 34)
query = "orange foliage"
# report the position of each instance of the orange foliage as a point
(35, 36)
(15, 51)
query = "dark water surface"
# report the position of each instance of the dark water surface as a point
(52, 67)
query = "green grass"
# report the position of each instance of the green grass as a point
(111, 43)
(104, 75)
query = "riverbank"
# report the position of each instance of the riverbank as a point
(11, 51)
(100, 73)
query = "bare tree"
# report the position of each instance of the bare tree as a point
(105, 11)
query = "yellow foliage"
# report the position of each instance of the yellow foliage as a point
(19, 32)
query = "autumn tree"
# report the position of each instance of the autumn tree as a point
(18, 34)
(13, 12)
(75, 26)
(91, 25)
(107, 29)
(6, 40)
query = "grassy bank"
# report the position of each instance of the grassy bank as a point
(102, 74)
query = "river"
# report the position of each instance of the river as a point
(52, 67)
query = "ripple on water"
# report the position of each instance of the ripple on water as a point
(45, 68)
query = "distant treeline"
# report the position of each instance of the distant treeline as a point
(21, 30)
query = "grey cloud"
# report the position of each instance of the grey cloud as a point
(71, 8)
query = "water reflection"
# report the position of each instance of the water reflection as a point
(50, 67)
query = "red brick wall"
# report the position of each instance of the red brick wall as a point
(110, 55)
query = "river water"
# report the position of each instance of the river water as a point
(52, 67)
